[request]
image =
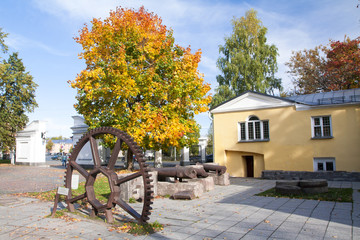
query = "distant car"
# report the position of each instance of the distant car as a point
(195, 159)
(56, 157)
(209, 158)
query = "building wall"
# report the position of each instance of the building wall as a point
(290, 147)
(61, 147)
(30, 144)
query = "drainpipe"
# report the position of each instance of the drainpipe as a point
(212, 122)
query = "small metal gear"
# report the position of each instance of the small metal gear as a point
(109, 172)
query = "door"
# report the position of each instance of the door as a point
(249, 166)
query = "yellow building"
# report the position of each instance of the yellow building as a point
(316, 132)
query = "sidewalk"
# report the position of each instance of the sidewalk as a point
(230, 212)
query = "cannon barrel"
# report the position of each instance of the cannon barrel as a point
(178, 172)
(200, 171)
(220, 170)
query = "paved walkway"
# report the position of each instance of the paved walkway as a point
(18, 179)
(231, 212)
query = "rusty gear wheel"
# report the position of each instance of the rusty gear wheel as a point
(109, 172)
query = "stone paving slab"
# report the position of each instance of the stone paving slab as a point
(227, 212)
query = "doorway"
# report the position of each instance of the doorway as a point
(249, 166)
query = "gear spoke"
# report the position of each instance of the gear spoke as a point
(115, 153)
(81, 170)
(128, 209)
(128, 178)
(74, 199)
(95, 152)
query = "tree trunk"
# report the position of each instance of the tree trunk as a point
(129, 160)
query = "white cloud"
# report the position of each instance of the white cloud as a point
(78, 9)
(292, 25)
(208, 63)
(19, 42)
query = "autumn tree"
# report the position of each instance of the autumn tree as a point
(342, 66)
(308, 70)
(17, 97)
(138, 80)
(326, 68)
(49, 145)
(247, 62)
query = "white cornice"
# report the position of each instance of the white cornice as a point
(251, 101)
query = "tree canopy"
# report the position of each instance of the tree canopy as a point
(308, 71)
(326, 68)
(17, 96)
(138, 80)
(247, 62)
(49, 145)
(342, 66)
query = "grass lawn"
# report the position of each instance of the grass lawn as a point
(2, 161)
(334, 195)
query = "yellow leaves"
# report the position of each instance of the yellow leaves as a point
(138, 80)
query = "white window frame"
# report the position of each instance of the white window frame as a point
(254, 139)
(323, 161)
(321, 126)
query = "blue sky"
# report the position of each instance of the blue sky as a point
(42, 32)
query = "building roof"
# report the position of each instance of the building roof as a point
(64, 141)
(328, 98)
(252, 100)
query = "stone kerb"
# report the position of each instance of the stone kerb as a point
(311, 186)
(300, 175)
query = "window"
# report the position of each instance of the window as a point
(321, 127)
(324, 164)
(254, 129)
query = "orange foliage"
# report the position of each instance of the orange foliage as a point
(138, 80)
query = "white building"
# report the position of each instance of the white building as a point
(30, 144)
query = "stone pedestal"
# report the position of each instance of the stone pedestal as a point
(171, 188)
(158, 159)
(135, 188)
(185, 157)
(202, 148)
(222, 180)
(79, 129)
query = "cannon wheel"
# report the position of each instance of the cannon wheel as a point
(109, 172)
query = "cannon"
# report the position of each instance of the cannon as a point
(180, 172)
(177, 172)
(219, 170)
(109, 171)
(200, 170)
